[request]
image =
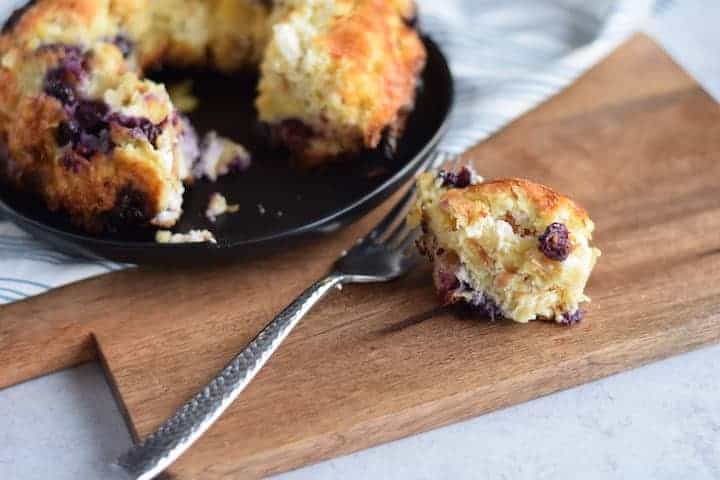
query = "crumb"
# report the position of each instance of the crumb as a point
(193, 236)
(218, 206)
(261, 209)
(220, 156)
(280, 213)
(182, 96)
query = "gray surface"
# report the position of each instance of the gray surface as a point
(63, 426)
(660, 422)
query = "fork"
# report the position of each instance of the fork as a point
(382, 255)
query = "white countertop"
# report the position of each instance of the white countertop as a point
(661, 421)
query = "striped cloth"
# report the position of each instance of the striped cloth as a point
(507, 56)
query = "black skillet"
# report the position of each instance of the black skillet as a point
(278, 204)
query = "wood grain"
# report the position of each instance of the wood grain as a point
(636, 141)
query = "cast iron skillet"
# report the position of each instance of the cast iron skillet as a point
(278, 204)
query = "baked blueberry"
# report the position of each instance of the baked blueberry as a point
(555, 242)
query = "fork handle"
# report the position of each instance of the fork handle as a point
(158, 451)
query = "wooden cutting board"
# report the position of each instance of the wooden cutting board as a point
(636, 141)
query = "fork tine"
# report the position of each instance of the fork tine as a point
(438, 159)
(381, 229)
(403, 236)
(408, 240)
(391, 217)
(399, 231)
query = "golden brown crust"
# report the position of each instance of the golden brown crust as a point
(65, 16)
(372, 35)
(470, 204)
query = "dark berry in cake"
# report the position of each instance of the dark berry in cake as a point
(92, 115)
(294, 134)
(124, 44)
(58, 85)
(140, 127)
(131, 209)
(461, 179)
(87, 129)
(90, 143)
(61, 82)
(573, 318)
(555, 242)
(68, 132)
(485, 306)
(74, 62)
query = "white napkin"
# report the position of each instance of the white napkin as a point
(507, 56)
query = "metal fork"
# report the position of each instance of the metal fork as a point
(381, 256)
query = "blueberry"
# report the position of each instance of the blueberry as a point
(73, 62)
(150, 130)
(124, 44)
(67, 132)
(58, 85)
(139, 126)
(573, 318)
(294, 134)
(88, 130)
(65, 49)
(60, 82)
(89, 144)
(131, 209)
(485, 306)
(91, 115)
(555, 242)
(462, 179)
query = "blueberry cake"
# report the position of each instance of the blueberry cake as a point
(85, 129)
(506, 248)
